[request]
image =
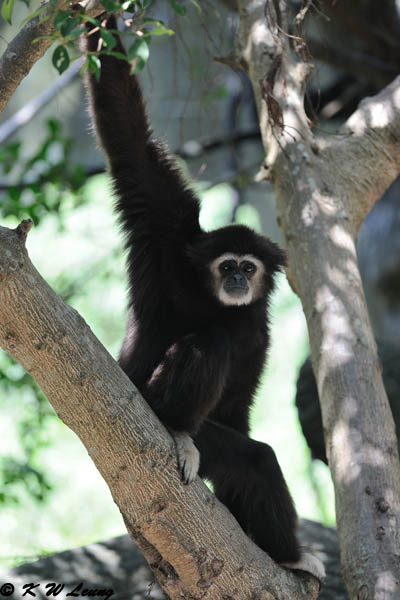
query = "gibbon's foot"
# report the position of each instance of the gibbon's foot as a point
(188, 456)
(310, 563)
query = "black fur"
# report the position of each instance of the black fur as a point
(196, 361)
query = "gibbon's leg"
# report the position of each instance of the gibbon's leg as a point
(248, 480)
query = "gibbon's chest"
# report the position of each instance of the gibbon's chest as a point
(248, 349)
(248, 335)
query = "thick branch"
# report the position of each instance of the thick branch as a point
(23, 51)
(370, 149)
(278, 78)
(324, 190)
(359, 430)
(194, 545)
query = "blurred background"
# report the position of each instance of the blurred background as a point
(51, 495)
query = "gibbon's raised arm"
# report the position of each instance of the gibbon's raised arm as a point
(152, 195)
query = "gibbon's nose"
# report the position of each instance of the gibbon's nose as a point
(239, 279)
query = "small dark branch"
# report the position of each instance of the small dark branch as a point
(190, 150)
(24, 228)
(299, 18)
(199, 148)
(275, 113)
(232, 60)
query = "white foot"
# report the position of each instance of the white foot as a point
(188, 456)
(310, 563)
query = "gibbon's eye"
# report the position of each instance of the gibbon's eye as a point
(226, 266)
(248, 267)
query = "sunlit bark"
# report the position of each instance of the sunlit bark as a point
(325, 188)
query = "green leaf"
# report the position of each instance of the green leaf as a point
(155, 21)
(139, 66)
(13, 150)
(15, 193)
(161, 30)
(69, 25)
(78, 177)
(60, 18)
(75, 34)
(60, 59)
(54, 127)
(94, 65)
(179, 8)
(140, 51)
(197, 5)
(116, 54)
(108, 38)
(92, 20)
(111, 5)
(9, 156)
(7, 10)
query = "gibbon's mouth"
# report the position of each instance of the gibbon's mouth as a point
(236, 290)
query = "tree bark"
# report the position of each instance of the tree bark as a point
(325, 188)
(195, 547)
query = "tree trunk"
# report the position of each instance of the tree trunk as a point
(325, 188)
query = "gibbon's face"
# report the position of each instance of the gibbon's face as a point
(237, 278)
